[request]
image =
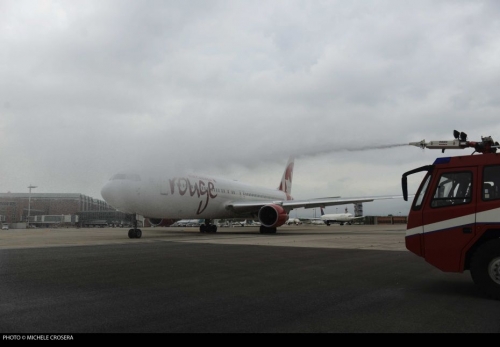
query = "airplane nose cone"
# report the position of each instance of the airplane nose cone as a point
(119, 195)
(106, 193)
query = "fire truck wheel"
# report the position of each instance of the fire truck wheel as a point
(485, 268)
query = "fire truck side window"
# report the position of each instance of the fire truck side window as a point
(491, 177)
(421, 194)
(454, 188)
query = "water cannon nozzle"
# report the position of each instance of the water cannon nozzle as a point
(420, 144)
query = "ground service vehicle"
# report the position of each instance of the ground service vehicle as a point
(454, 220)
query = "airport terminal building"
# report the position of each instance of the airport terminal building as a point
(58, 209)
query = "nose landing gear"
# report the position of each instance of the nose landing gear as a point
(135, 233)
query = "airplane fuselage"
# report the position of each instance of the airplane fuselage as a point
(341, 218)
(197, 196)
(184, 196)
(338, 217)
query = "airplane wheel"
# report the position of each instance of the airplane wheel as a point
(203, 228)
(135, 233)
(213, 228)
(131, 234)
(138, 233)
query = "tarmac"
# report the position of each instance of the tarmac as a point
(381, 237)
(303, 279)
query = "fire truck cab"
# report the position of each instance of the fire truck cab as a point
(454, 220)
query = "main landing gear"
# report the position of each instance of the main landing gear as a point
(134, 233)
(208, 227)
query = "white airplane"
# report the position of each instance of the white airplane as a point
(185, 222)
(238, 222)
(341, 218)
(185, 196)
(317, 222)
(295, 221)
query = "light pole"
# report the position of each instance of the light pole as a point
(29, 205)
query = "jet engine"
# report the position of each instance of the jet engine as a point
(272, 215)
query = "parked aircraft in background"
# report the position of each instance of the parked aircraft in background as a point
(221, 223)
(187, 223)
(249, 223)
(341, 218)
(235, 222)
(204, 197)
(239, 223)
(295, 221)
(317, 222)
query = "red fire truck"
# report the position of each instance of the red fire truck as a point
(454, 220)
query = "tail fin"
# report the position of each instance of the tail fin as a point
(286, 179)
(322, 211)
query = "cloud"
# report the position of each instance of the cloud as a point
(233, 88)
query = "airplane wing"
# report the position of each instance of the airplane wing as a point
(248, 206)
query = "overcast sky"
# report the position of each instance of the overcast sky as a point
(233, 88)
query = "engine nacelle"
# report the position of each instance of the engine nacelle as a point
(272, 216)
(158, 222)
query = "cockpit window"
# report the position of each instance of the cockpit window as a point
(454, 188)
(128, 177)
